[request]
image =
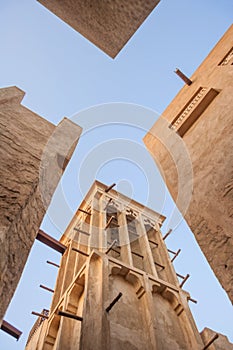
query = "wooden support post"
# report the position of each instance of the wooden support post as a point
(81, 231)
(40, 315)
(80, 251)
(113, 302)
(11, 330)
(69, 315)
(183, 77)
(167, 234)
(52, 263)
(46, 288)
(84, 211)
(176, 254)
(111, 246)
(184, 280)
(109, 188)
(211, 341)
(50, 241)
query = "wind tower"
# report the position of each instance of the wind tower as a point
(116, 286)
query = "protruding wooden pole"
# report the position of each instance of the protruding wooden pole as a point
(50, 241)
(184, 280)
(40, 315)
(153, 242)
(11, 330)
(114, 302)
(109, 188)
(81, 231)
(192, 300)
(52, 263)
(176, 254)
(84, 211)
(46, 288)
(69, 315)
(167, 234)
(80, 251)
(183, 77)
(162, 266)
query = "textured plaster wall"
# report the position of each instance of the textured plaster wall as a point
(34, 154)
(108, 24)
(221, 343)
(198, 168)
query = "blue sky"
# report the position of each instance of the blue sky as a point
(116, 102)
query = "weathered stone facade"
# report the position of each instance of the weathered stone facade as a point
(34, 154)
(106, 23)
(117, 279)
(192, 145)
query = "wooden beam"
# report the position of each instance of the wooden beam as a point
(162, 266)
(69, 315)
(109, 188)
(176, 254)
(81, 231)
(137, 254)
(52, 263)
(46, 288)
(114, 302)
(167, 234)
(153, 242)
(11, 330)
(192, 300)
(183, 76)
(40, 315)
(84, 211)
(50, 241)
(184, 280)
(80, 251)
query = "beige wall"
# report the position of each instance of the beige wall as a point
(198, 165)
(221, 343)
(34, 154)
(107, 24)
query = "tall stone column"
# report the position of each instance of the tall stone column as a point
(94, 223)
(145, 247)
(95, 329)
(126, 255)
(102, 223)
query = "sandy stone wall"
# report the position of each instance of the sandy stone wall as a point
(221, 343)
(192, 145)
(34, 154)
(106, 23)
